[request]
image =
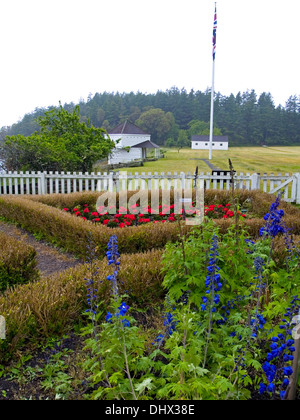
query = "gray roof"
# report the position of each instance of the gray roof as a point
(147, 144)
(206, 138)
(127, 128)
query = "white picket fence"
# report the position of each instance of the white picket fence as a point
(61, 182)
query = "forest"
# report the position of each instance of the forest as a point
(174, 115)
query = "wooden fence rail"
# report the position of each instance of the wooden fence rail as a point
(61, 182)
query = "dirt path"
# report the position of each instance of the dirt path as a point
(50, 259)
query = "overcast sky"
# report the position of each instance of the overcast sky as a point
(62, 50)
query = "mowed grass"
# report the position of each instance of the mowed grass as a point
(244, 159)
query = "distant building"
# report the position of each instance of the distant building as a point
(132, 145)
(202, 142)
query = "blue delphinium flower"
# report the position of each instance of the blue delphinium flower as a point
(122, 310)
(169, 324)
(257, 323)
(262, 388)
(250, 244)
(113, 257)
(281, 354)
(213, 282)
(273, 224)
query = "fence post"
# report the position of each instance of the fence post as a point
(43, 183)
(297, 188)
(111, 182)
(255, 181)
(292, 388)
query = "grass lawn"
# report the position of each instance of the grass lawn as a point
(244, 159)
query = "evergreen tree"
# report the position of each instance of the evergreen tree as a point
(246, 119)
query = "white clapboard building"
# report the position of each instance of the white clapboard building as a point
(202, 142)
(131, 143)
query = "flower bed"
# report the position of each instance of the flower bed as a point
(72, 233)
(163, 213)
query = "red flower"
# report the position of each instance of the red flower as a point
(144, 220)
(84, 218)
(66, 209)
(86, 210)
(78, 213)
(105, 221)
(171, 219)
(95, 213)
(121, 225)
(127, 223)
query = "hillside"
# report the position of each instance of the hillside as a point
(246, 118)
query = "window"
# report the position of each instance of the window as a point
(213, 144)
(206, 144)
(221, 144)
(196, 144)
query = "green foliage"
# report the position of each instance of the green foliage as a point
(248, 119)
(118, 358)
(202, 128)
(64, 143)
(157, 122)
(55, 377)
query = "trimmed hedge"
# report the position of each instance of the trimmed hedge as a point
(50, 306)
(18, 264)
(72, 233)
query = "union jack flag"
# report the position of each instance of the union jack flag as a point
(214, 39)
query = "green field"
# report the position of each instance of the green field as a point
(244, 159)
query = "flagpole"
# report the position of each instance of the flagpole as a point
(212, 112)
(213, 86)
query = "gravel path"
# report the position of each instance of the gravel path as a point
(50, 259)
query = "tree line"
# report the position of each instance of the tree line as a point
(172, 116)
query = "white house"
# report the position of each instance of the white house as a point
(132, 145)
(202, 142)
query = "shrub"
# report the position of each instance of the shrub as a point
(18, 264)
